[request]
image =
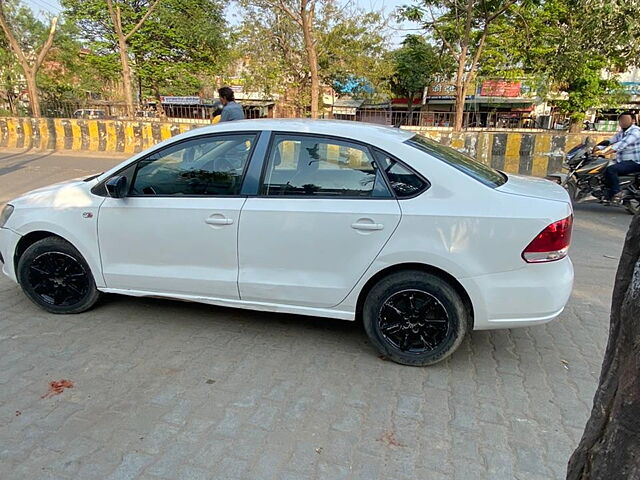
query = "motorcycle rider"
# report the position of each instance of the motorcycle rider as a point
(626, 144)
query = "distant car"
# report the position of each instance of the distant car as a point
(89, 113)
(333, 219)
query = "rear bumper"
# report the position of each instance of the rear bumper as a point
(8, 241)
(532, 295)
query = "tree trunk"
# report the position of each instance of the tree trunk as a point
(575, 126)
(461, 91)
(126, 74)
(610, 445)
(32, 87)
(312, 55)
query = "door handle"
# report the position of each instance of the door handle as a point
(219, 221)
(367, 226)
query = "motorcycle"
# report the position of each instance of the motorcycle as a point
(585, 177)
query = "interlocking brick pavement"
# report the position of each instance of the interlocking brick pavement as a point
(171, 390)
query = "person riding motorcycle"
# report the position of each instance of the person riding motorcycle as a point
(626, 145)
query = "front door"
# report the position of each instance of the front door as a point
(323, 215)
(177, 230)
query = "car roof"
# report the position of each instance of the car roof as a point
(365, 132)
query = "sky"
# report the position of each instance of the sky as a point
(44, 7)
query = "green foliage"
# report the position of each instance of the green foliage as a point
(571, 44)
(351, 46)
(177, 51)
(353, 49)
(416, 64)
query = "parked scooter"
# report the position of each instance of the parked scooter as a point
(585, 177)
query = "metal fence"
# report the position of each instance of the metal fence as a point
(83, 109)
(483, 120)
(204, 114)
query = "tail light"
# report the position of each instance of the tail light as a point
(551, 244)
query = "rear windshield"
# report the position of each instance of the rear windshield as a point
(465, 164)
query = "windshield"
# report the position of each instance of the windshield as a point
(460, 161)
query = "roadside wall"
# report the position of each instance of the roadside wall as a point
(86, 135)
(528, 153)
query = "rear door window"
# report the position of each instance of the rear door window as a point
(306, 165)
(482, 173)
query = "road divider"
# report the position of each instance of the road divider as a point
(527, 153)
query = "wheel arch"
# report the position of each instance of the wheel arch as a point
(420, 267)
(29, 239)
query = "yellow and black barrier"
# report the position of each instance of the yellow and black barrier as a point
(535, 153)
(110, 136)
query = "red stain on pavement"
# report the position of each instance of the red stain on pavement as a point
(57, 387)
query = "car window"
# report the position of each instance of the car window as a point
(313, 166)
(403, 181)
(212, 165)
(477, 170)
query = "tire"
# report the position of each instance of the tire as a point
(55, 276)
(399, 331)
(572, 190)
(632, 206)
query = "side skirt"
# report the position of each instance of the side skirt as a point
(259, 306)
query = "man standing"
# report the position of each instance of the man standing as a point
(231, 110)
(626, 144)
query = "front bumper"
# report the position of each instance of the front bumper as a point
(8, 242)
(532, 295)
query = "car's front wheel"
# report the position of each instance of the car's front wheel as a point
(415, 318)
(55, 276)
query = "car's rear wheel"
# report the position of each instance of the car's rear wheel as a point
(415, 318)
(55, 276)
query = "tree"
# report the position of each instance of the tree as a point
(115, 22)
(352, 50)
(180, 44)
(461, 26)
(350, 47)
(575, 45)
(611, 442)
(303, 14)
(415, 66)
(29, 56)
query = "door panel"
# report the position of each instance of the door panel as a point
(181, 245)
(310, 252)
(177, 231)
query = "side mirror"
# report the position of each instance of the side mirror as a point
(117, 187)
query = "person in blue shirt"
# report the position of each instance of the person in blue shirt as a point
(231, 110)
(626, 144)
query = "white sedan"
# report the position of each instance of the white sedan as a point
(333, 219)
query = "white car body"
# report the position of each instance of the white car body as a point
(311, 256)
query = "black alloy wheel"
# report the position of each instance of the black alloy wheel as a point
(415, 318)
(413, 321)
(55, 276)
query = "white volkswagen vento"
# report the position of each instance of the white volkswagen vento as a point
(332, 219)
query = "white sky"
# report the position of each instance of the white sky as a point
(43, 7)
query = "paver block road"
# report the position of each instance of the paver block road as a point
(171, 390)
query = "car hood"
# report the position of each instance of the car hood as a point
(534, 187)
(72, 193)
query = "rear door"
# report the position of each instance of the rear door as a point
(323, 214)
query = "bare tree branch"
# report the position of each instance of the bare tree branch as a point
(47, 45)
(440, 34)
(142, 20)
(496, 14)
(285, 8)
(477, 54)
(13, 42)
